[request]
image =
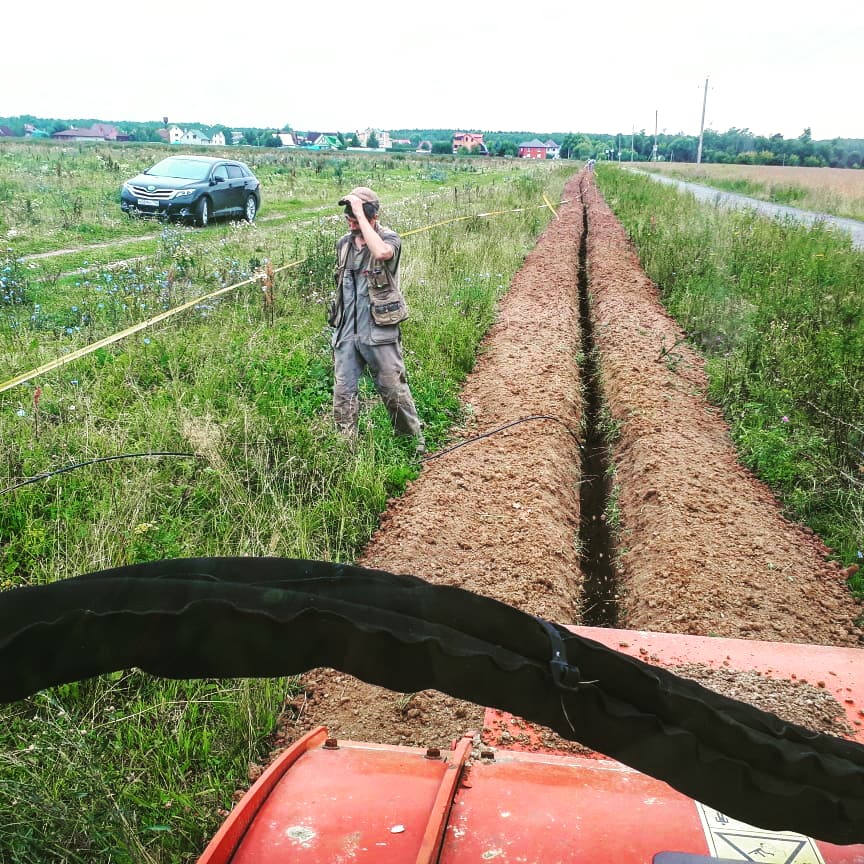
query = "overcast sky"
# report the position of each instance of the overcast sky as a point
(344, 66)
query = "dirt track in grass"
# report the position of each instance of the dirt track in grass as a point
(703, 547)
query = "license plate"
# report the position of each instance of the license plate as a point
(143, 202)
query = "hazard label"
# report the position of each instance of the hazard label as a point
(737, 841)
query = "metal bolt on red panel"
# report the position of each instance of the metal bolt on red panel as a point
(433, 753)
(331, 744)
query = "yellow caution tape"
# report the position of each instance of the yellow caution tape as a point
(143, 325)
(549, 205)
(135, 328)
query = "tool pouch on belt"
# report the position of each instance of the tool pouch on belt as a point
(387, 305)
(334, 304)
(334, 312)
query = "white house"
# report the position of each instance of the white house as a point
(553, 150)
(194, 136)
(175, 133)
(218, 140)
(384, 141)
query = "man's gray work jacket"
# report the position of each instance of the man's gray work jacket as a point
(353, 315)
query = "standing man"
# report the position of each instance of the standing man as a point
(365, 317)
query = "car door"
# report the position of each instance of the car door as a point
(239, 185)
(220, 190)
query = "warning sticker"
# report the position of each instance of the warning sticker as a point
(737, 841)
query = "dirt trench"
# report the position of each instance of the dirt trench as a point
(521, 515)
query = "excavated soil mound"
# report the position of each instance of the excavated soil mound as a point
(707, 549)
(704, 548)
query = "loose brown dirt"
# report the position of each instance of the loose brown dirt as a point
(703, 547)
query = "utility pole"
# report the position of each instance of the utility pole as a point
(702, 126)
(632, 136)
(654, 151)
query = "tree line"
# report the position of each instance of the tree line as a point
(735, 146)
(739, 146)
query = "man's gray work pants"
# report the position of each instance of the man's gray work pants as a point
(388, 372)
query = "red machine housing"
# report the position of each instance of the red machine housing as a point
(339, 801)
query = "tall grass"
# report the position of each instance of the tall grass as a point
(778, 310)
(126, 768)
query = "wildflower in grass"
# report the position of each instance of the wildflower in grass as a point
(146, 340)
(785, 419)
(21, 412)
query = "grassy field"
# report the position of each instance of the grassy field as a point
(777, 309)
(126, 768)
(838, 191)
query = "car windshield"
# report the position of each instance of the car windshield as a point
(183, 169)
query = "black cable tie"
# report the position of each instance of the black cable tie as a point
(565, 676)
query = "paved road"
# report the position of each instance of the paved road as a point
(732, 199)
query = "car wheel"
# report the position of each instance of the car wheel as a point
(251, 208)
(203, 212)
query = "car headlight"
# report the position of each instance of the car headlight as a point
(127, 186)
(183, 193)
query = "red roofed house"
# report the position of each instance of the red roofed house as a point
(97, 132)
(533, 149)
(468, 140)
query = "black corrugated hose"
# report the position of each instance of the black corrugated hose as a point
(258, 617)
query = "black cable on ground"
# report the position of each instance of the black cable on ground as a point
(495, 431)
(440, 453)
(67, 468)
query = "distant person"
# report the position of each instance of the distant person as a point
(365, 318)
(590, 164)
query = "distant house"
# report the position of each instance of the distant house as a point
(533, 149)
(6, 132)
(287, 138)
(175, 133)
(553, 150)
(109, 132)
(218, 139)
(30, 131)
(424, 147)
(194, 137)
(326, 141)
(469, 141)
(163, 135)
(384, 140)
(97, 132)
(74, 134)
(236, 137)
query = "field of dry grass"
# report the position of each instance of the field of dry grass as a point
(839, 191)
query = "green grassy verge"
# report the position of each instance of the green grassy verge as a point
(778, 311)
